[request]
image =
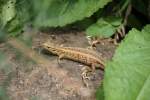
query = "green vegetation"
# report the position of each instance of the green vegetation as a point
(127, 75)
(104, 27)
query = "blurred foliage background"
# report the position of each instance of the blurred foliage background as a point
(94, 16)
(102, 18)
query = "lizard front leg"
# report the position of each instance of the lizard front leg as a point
(60, 56)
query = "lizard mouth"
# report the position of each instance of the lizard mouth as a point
(46, 45)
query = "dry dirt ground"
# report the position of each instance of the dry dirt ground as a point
(37, 75)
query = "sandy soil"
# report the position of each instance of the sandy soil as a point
(49, 80)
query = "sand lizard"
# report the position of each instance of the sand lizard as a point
(85, 56)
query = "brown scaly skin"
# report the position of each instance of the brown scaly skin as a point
(85, 56)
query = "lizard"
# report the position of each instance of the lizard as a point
(82, 55)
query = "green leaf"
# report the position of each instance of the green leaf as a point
(14, 15)
(100, 93)
(8, 12)
(104, 27)
(146, 28)
(127, 76)
(61, 12)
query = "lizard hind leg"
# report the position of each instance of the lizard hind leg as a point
(85, 72)
(87, 75)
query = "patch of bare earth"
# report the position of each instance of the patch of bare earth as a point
(39, 76)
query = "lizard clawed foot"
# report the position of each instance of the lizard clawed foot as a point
(85, 76)
(87, 72)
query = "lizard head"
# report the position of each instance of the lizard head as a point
(50, 47)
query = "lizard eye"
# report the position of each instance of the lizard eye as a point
(47, 46)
